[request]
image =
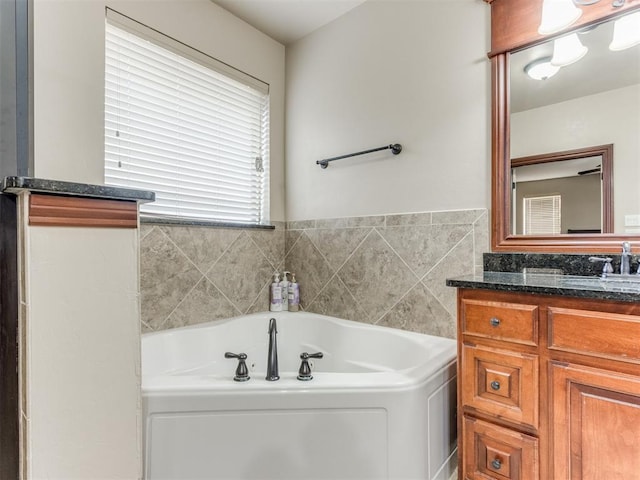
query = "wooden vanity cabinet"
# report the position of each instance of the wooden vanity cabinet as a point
(549, 387)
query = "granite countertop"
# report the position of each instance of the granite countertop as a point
(550, 284)
(41, 185)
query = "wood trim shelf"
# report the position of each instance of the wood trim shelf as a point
(56, 210)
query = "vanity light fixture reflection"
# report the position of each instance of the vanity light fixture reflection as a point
(559, 14)
(626, 32)
(541, 69)
(567, 50)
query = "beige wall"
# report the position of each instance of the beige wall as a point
(412, 72)
(69, 77)
(609, 117)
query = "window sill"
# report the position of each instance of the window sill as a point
(195, 222)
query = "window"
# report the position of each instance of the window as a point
(542, 215)
(186, 126)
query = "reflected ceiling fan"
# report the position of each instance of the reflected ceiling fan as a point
(598, 169)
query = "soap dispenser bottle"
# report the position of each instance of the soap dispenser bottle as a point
(294, 294)
(275, 304)
(285, 291)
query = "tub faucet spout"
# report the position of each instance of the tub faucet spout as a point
(272, 358)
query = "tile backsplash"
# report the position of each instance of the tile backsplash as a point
(194, 274)
(387, 269)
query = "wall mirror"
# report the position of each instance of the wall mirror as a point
(579, 122)
(567, 192)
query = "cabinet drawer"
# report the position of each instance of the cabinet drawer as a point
(513, 322)
(600, 334)
(496, 452)
(501, 383)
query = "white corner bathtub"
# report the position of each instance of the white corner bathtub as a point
(381, 404)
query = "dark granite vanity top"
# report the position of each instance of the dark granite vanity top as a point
(40, 185)
(550, 274)
(550, 284)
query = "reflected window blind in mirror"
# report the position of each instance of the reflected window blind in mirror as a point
(542, 215)
(192, 129)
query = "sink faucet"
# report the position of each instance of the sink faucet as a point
(625, 259)
(625, 262)
(272, 357)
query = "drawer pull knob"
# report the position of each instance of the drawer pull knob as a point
(495, 385)
(494, 321)
(496, 464)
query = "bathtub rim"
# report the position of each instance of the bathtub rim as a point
(174, 383)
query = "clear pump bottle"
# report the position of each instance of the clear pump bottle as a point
(275, 305)
(294, 294)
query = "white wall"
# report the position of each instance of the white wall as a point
(412, 72)
(69, 77)
(609, 117)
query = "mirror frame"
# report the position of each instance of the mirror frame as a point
(606, 176)
(501, 238)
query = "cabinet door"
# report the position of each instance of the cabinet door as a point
(596, 424)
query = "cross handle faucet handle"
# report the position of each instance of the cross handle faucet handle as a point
(607, 268)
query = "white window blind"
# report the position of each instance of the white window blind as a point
(542, 215)
(190, 128)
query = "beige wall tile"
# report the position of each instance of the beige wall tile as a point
(337, 244)
(335, 300)
(385, 269)
(459, 261)
(270, 243)
(422, 247)
(457, 216)
(376, 276)
(408, 219)
(301, 224)
(241, 272)
(311, 269)
(203, 303)
(166, 276)
(420, 311)
(202, 245)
